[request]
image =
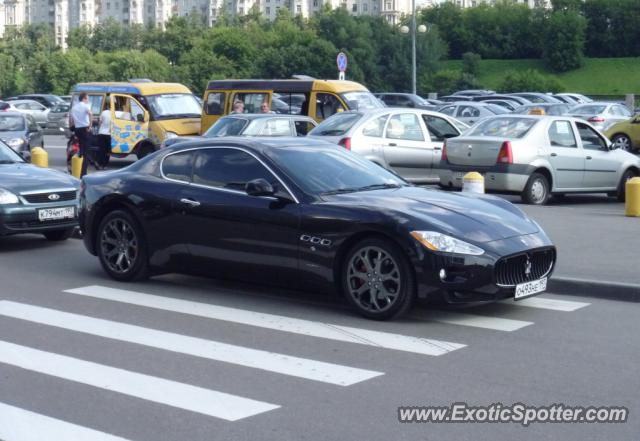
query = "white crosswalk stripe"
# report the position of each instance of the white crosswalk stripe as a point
(342, 333)
(268, 361)
(552, 304)
(474, 321)
(18, 424)
(171, 393)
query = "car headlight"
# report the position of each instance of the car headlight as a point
(6, 197)
(441, 242)
(15, 142)
(169, 135)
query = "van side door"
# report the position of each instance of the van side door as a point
(129, 123)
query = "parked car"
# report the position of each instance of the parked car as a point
(538, 156)
(507, 104)
(405, 100)
(58, 118)
(455, 98)
(20, 132)
(4, 106)
(625, 135)
(66, 98)
(35, 199)
(470, 112)
(601, 114)
(254, 124)
(474, 92)
(47, 100)
(407, 141)
(511, 98)
(301, 212)
(579, 98)
(547, 109)
(536, 97)
(33, 108)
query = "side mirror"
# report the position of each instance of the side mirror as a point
(259, 187)
(140, 118)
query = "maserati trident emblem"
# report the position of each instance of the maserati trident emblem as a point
(54, 196)
(527, 268)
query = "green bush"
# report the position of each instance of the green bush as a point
(529, 80)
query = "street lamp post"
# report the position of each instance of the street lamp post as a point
(405, 30)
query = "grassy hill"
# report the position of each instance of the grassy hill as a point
(598, 76)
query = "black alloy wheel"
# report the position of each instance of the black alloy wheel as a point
(121, 247)
(377, 280)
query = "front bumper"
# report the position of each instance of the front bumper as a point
(473, 279)
(23, 218)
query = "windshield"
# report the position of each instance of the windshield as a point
(361, 100)
(337, 125)
(7, 155)
(11, 123)
(229, 126)
(319, 171)
(173, 106)
(504, 127)
(588, 110)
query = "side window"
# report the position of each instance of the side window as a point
(375, 127)
(178, 166)
(468, 112)
(128, 109)
(95, 101)
(405, 126)
(591, 140)
(21, 106)
(277, 127)
(137, 112)
(303, 127)
(439, 128)
(252, 101)
(36, 106)
(215, 103)
(229, 169)
(327, 104)
(403, 101)
(449, 110)
(561, 135)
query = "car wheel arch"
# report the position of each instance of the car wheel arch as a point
(544, 171)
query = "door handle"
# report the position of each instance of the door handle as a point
(588, 157)
(437, 148)
(393, 144)
(190, 202)
(554, 154)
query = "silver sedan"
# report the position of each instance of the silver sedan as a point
(537, 156)
(30, 107)
(601, 115)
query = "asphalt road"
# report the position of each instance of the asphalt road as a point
(63, 367)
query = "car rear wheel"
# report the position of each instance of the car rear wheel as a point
(377, 280)
(622, 185)
(144, 150)
(121, 247)
(536, 192)
(623, 142)
(58, 235)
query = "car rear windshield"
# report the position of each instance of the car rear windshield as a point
(230, 126)
(337, 125)
(504, 127)
(588, 110)
(361, 100)
(11, 123)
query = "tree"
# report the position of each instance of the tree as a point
(530, 79)
(7, 75)
(471, 63)
(564, 41)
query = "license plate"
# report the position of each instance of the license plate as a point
(58, 213)
(530, 288)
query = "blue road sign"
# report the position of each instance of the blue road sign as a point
(342, 62)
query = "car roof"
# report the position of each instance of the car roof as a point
(24, 101)
(266, 115)
(254, 144)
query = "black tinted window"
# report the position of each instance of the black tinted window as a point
(439, 128)
(228, 168)
(178, 166)
(337, 125)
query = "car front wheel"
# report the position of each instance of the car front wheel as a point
(121, 247)
(623, 183)
(536, 192)
(377, 279)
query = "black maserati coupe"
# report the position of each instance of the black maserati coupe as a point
(34, 199)
(313, 215)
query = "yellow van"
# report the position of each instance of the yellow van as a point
(318, 99)
(143, 113)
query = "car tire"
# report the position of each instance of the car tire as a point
(536, 192)
(628, 174)
(623, 142)
(144, 150)
(58, 235)
(374, 267)
(121, 247)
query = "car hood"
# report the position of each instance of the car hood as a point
(19, 178)
(5, 136)
(472, 217)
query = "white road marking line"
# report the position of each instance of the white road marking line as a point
(171, 393)
(553, 304)
(348, 334)
(18, 424)
(475, 321)
(199, 347)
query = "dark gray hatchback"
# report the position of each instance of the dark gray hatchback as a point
(36, 200)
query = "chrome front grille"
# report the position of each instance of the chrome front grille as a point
(524, 267)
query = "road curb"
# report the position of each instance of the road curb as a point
(627, 292)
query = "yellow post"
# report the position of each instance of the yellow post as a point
(473, 182)
(76, 166)
(39, 157)
(632, 197)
